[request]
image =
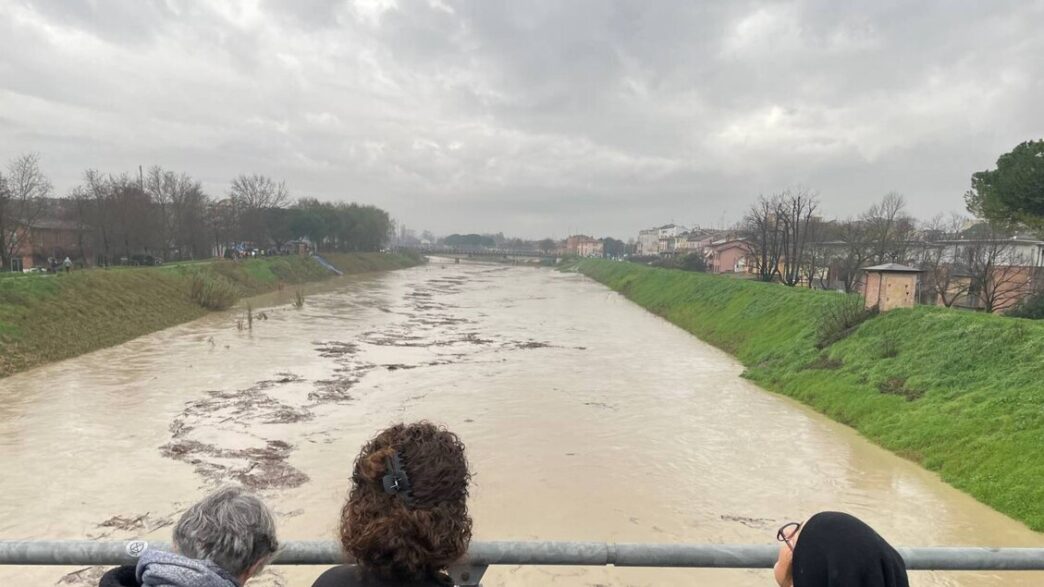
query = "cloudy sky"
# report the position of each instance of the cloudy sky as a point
(530, 117)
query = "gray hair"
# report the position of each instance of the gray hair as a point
(231, 528)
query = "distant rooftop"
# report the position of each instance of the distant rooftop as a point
(54, 224)
(1018, 240)
(894, 267)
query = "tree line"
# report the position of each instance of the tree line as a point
(788, 241)
(166, 214)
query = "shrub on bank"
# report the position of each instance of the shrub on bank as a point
(212, 291)
(839, 318)
(1031, 307)
(689, 262)
(961, 393)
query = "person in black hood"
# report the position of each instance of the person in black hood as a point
(221, 541)
(834, 549)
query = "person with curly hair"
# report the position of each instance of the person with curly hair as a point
(406, 519)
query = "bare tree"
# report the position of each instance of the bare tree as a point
(763, 230)
(161, 186)
(190, 212)
(945, 273)
(854, 253)
(180, 207)
(97, 188)
(794, 211)
(1000, 274)
(817, 256)
(79, 213)
(776, 230)
(881, 234)
(23, 195)
(134, 217)
(888, 229)
(259, 191)
(250, 197)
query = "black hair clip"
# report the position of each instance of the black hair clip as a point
(396, 481)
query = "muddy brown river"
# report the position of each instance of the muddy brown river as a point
(586, 418)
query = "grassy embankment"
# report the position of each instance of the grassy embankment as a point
(960, 393)
(46, 318)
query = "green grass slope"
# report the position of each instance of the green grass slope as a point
(366, 262)
(46, 318)
(960, 393)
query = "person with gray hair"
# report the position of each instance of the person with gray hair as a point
(221, 541)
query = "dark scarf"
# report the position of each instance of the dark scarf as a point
(839, 550)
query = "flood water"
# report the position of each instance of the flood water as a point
(585, 417)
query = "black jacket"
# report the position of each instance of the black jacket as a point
(125, 576)
(839, 550)
(354, 576)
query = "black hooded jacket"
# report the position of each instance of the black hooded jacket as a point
(125, 576)
(355, 576)
(839, 550)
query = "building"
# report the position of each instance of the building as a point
(648, 242)
(1015, 251)
(661, 240)
(695, 241)
(582, 245)
(890, 286)
(50, 238)
(728, 255)
(668, 238)
(995, 273)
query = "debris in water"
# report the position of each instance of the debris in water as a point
(122, 523)
(756, 523)
(256, 468)
(335, 348)
(529, 344)
(85, 577)
(134, 525)
(332, 390)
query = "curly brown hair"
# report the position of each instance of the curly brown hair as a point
(401, 537)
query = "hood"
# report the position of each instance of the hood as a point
(166, 569)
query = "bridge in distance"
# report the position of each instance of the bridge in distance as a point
(468, 252)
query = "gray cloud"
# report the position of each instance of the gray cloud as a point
(532, 118)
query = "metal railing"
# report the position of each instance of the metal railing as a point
(484, 554)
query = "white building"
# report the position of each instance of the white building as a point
(1010, 252)
(695, 241)
(659, 240)
(648, 242)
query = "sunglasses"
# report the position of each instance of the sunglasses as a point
(786, 533)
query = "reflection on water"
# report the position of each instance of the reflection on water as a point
(586, 418)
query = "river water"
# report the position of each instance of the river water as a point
(585, 417)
